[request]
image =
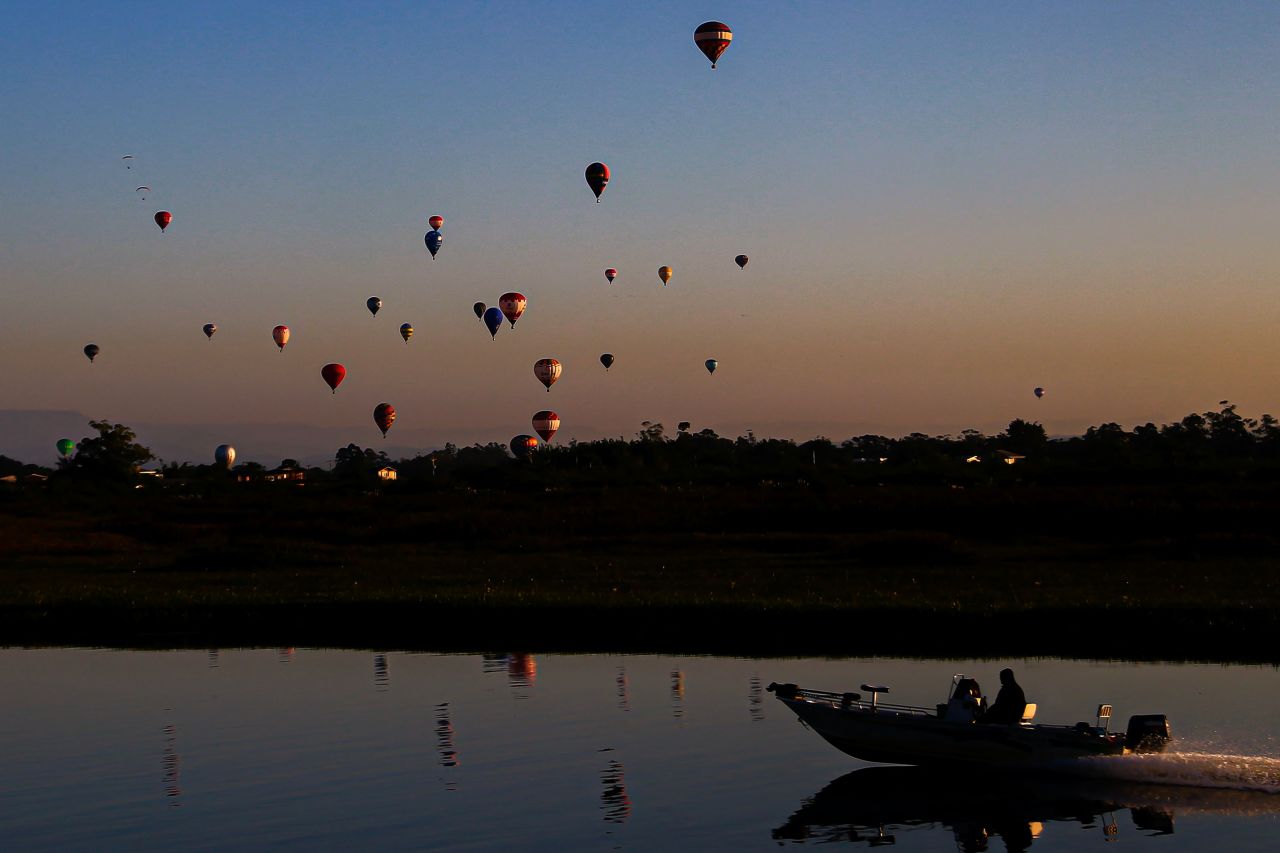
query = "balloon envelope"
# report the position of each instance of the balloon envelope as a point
(1039, 392)
(512, 305)
(224, 455)
(712, 38)
(597, 178)
(711, 364)
(384, 415)
(91, 351)
(607, 360)
(435, 222)
(611, 274)
(280, 334)
(374, 304)
(741, 261)
(547, 370)
(333, 374)
(522, 446)
(163, 218)
(545, 424)
(664, 273)
(434, 239)
(406, 331)
(479, 309)
(493, 320)
(65, 446)
(209, 329)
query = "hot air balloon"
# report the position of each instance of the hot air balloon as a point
(91, 351)
(433, 240)
(611, 274)
(597, 178)
(711, 364)
(664, 273)
(209, 329)
(512, 305)
(435, 222)
(712, 38)
(545, 424)
(280, 334)
(65, 446)
(741, 261)
(406, 331)
(1039, 392)
(493, 321)
(224, 455)
(384, 415)
(547, 370)
(374, 304)
(479, 309)
(333, 374)
(522, 446)
(607, 360)
(163, 218)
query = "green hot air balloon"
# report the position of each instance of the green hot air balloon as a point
(65, 446)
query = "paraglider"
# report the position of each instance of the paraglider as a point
(493, 321)
(374, 304)
(163, 218)
(607, 361)
(545, 424)
(1039, 392)
(384, 415)
(91, 352)
(522, 446)
(479, 309)
(209, 329)
(597, 178)
(65, 446)
(712, 38)
(128, 161)
(512, 305)
(711, 365)
(611, 274)
(406, 331)
(433, 240)
(435, 222)
(224, 455)
(664, 273)
(547, 370)
(280, 334)
(741, 261)
(143, 191)
(333, 374)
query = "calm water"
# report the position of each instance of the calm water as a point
(322, 749)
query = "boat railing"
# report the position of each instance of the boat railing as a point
(847, 701)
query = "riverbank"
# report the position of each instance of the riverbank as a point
(1134, 572)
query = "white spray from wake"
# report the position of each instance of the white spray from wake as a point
(1255, 773)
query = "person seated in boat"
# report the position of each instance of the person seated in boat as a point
(965, 704)
(1010, 704)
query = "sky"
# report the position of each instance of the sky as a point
(945, 206)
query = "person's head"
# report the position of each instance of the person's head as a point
(1006, 676)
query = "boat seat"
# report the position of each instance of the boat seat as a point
(1030, 713)
(875, 690)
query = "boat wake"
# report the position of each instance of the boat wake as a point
(1254, 773)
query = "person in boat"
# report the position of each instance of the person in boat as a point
(1010, 704)
(965, 704)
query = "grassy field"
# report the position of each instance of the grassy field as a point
(1137, 572)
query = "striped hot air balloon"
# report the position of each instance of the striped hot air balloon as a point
(512, 305)
(384, 415)
(545, 424)
(712, 38)
(547, 370)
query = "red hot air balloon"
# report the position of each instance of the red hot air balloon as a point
(280, 334)
(597, 178)
(163, 218)
(547, 370)
(384, 415)
(435, 222)
(512, 306)
(545, 424)
(333, 374)
(712, 38)
(611, 274)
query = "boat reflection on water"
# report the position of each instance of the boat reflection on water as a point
(876, 804)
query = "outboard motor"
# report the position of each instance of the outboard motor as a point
(1148, 733)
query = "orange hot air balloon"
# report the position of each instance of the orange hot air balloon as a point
(512, 306)
(545, 424)
(384, 415)
(597, 178)
(664, 273)
(280, 334)
(611, 274)
(163, 218)
(712, 38)
(333, 374)
(435, 222)
(547, 370)
(522, 446)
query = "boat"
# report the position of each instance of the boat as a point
(886, 733)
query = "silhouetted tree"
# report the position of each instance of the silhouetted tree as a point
(113, 454)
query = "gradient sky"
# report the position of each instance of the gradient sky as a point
(944, 205)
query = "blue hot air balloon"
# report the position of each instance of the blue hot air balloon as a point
(711, 365)
(434, 239)
(493, 320)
